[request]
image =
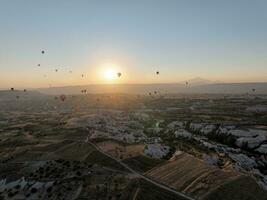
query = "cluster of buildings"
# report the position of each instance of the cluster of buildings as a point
(245, 147)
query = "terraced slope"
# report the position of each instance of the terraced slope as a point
(190, 175)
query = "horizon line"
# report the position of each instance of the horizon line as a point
(118, 84)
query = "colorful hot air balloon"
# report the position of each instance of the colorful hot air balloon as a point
(62, 97)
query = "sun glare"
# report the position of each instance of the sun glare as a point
(109, 74)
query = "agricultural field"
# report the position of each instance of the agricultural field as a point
(120, 150)
(190, 174)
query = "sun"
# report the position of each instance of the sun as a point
(109, 74)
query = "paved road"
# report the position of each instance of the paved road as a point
(140, 175)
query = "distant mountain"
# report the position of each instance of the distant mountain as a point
(197, 87)
(199, 81)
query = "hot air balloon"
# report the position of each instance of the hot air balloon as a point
(43, 52)
(12, 89)
(253, 89)
(39, 65)
(82, 75)
(186, 83)
(24, 90)
(62, 97)
(56, 70)
(83, 91)
(157, 72)
(119, 74)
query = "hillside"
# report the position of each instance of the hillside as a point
(229, 88)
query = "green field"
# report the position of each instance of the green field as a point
(96, 157)
(243, 188)
(142, 163)
(149, 191)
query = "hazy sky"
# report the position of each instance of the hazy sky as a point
(222, 40)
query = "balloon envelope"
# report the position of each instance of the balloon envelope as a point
(62, 97)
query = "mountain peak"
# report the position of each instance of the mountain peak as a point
(200, 81)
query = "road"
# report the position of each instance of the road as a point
(136, 193)
(138, 174)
